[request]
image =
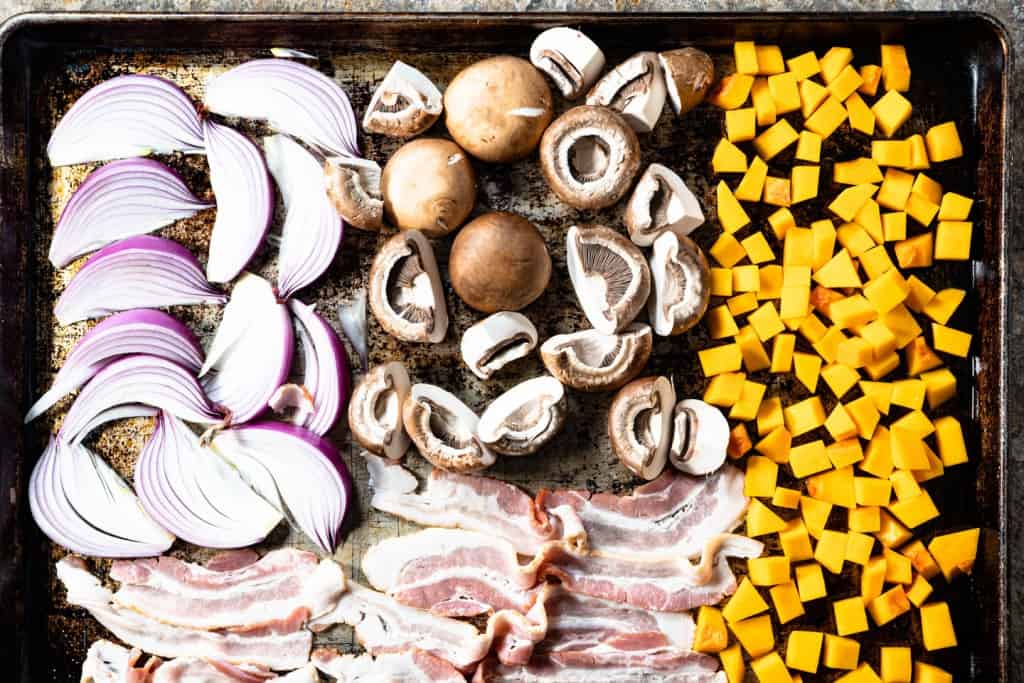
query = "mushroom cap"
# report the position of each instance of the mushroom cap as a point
(404, 289)
(682, 284)
(700, 438)
(569, 58)
(635, 88)
(353, 186)
(497, 108)
(375, 410)
(428, 185)
(496, 341)
(444, 430)
(640, 425)
(592, 361)
(499, 262)
(405, 104)
(689, 73)
(609, 275)
(524, 418)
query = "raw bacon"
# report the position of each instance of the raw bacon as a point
(405, 666)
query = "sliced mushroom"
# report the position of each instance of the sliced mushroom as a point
(444, 430)
(406, 103)
(640, 425)
(688, 73)
(700, 437)
(375, 410)
(635, 89)
(682, 284)
(569, 58)
(524, 418)
(496, 341)
(591, 361)
(661, 201)
(609, 275)
(353, 186)
(589, 157)
(405, 290)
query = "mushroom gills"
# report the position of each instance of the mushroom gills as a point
(444, 430)
(700, 438)
(524, 418)
(353, 186)
(410, 291)
(661, 202)
(592, 361)
(405, 104)
(405, 289)
(681, 287)
(635, 88)
(610, 276)
(571, 59)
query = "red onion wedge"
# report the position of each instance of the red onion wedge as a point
(124, 198)
(245, 200)
(123, 334)
(312, 229)
(139, 272)
(196, 494)
(296, 468)
(128, 116)
(144, 380)
(293, 98)
(82, 504)
(251, 354)
(352, 317)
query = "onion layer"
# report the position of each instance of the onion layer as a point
(352, 317)
(139, 272)
(127, 116)
(326, 373)
(119, 200)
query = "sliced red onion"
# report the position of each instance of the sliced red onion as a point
(326, 373)
(352, 317)
(139, 272)
(312, 229)
(122, 412)
(245, 200)
(119, 200)
(82, 504)
(251, 354)
(293, 466)
(196, 494)
(133, 332)
(293, 98)
(145, 380)
(127, 116)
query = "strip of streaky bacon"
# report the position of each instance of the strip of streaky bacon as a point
(241, 597)
(108, 662)
(281, 645)
(576, 667)
(405, 666)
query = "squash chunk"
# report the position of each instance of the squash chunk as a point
(804, 416)
(955, 553)
(710, 634)
(953, 240)
(731, 91)
(732, 663)
(761, 474)
(895, 68)
(915, 252)
(831, 550)
(841, 653)
(943, 142)
(728, 158)
(937, 626)
(719, 359)
(827, 117)
(871, 75)
(755, 634)
(770, 669)
(795, 541)
(928, 673)
(761, 521)
(896, 665)
(950, 438)
(730, 212)
(872, 579)
(803, 650)
(808, 148)
(768, 571)
(850, 616)
(891, 111)
(889, 605)
(954, 207)
(775, 139)
(804, 66)
(752, 184)
(810, 581)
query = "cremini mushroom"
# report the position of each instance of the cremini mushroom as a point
(496, 341)
(609, 275)
(375, 410)
(524, 418)
(499, 262)
(353, 186)
(405, 292)
(589, 157)
(589, 360)
(428, 185)
(405, 103)
(661, 201)
(569, 58)
(635, 89)
(682, 284)
(640, 425)
(444, 430)
(700, 437)
(688, 73)
(497, 108)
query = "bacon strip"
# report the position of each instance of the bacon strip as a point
(574, 667)
(407, 666)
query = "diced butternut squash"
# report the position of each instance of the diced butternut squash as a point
(852, 312)
(739, 441)
(953, 240)
(937, 626)
(858, 547)
(954, 207)
(891, 111)
(803, 650)
(850, 616)
(785, 92)
(943, 305)
(804, 183)
(795, 303)
(769, 415)
(720, 322)
(955, 552)
(806, 367)
(871, 75)
(921, 209)
(745, 56)
(889, 605)
(856, 172)
(863, 520)
(890, 532)
(929, 673)
(845, 452)
(828, 346)
(804, 416)
(730, 213)
(719, 359)
(862, 674)
(940, 386)
(891, 153)
(745, 278)
(786, 498)
(710, 634)
(841, 653)
(770, 669)
(909, 393)
(833, 486)
(872, 491)
(882, 367)
(810, 581)
(848, 202)
(728, 158)
(768, 571)
(919, 357)
(907, 449)
(895, 189)
(755, 357)
(752, 184)
(915, 511)
(857, 111)
(755, 634)
(815, 513)
(812, 328)
(894, 226)
(880, 394)
(782, 352)
(804, 65)
(760, 477)
(855, 353)
(872, 579)
(724, 389)
(948, 340)
(918, 153)
(757, 248)
(878, 454)
(839, 424)
(950, 438)
(943, 142)
(727, 251)
(845, 83)
(764, 105)
(775, 139)
(809, 458)
(839, 378)
(721, 281)
(922, 560)
(879, 337)
(896, 665)
(795, 541)
(742, 303)
(732, 663)
(887, 291)
(920, 294)
(855, 238)
(827, 117)
(902, 324)
(839, 272)
(798, 248)
(781, 221)
(895, 68)
(834, 61)
(762, 521)
(869, 217)
(777, 192)
(744, 603)
(915, 252)
(830, 552)
(808, 147)
(732, 91)
(919, 590)
(786, 600)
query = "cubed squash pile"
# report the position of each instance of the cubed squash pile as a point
(841, 301)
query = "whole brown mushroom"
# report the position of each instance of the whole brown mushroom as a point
(428, 185)
(499, 262)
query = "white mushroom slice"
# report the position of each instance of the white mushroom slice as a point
(569, 58)
(689, 73)
(524, 418)
(353, 186)
(405, 104)
(375, 410)
(444, 430)
(640, 425)
(592, 361)
(496, 341)
(405, 290)
(700, 437)
(682, 284)
(661, 201)
(609, 275)
(635, 89)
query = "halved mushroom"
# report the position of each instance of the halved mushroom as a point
(525, 417)
(375, 410)
(682, 284)
(635, 89)
(496, 341)
(589, 157)
(591, 361)
(609, 275)
(405, 290)
(688, 73)
(640, 425)
(444, 430)
(569, 58)
(661, 201)
(700, 437)
(406, 103)
(353, 186)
